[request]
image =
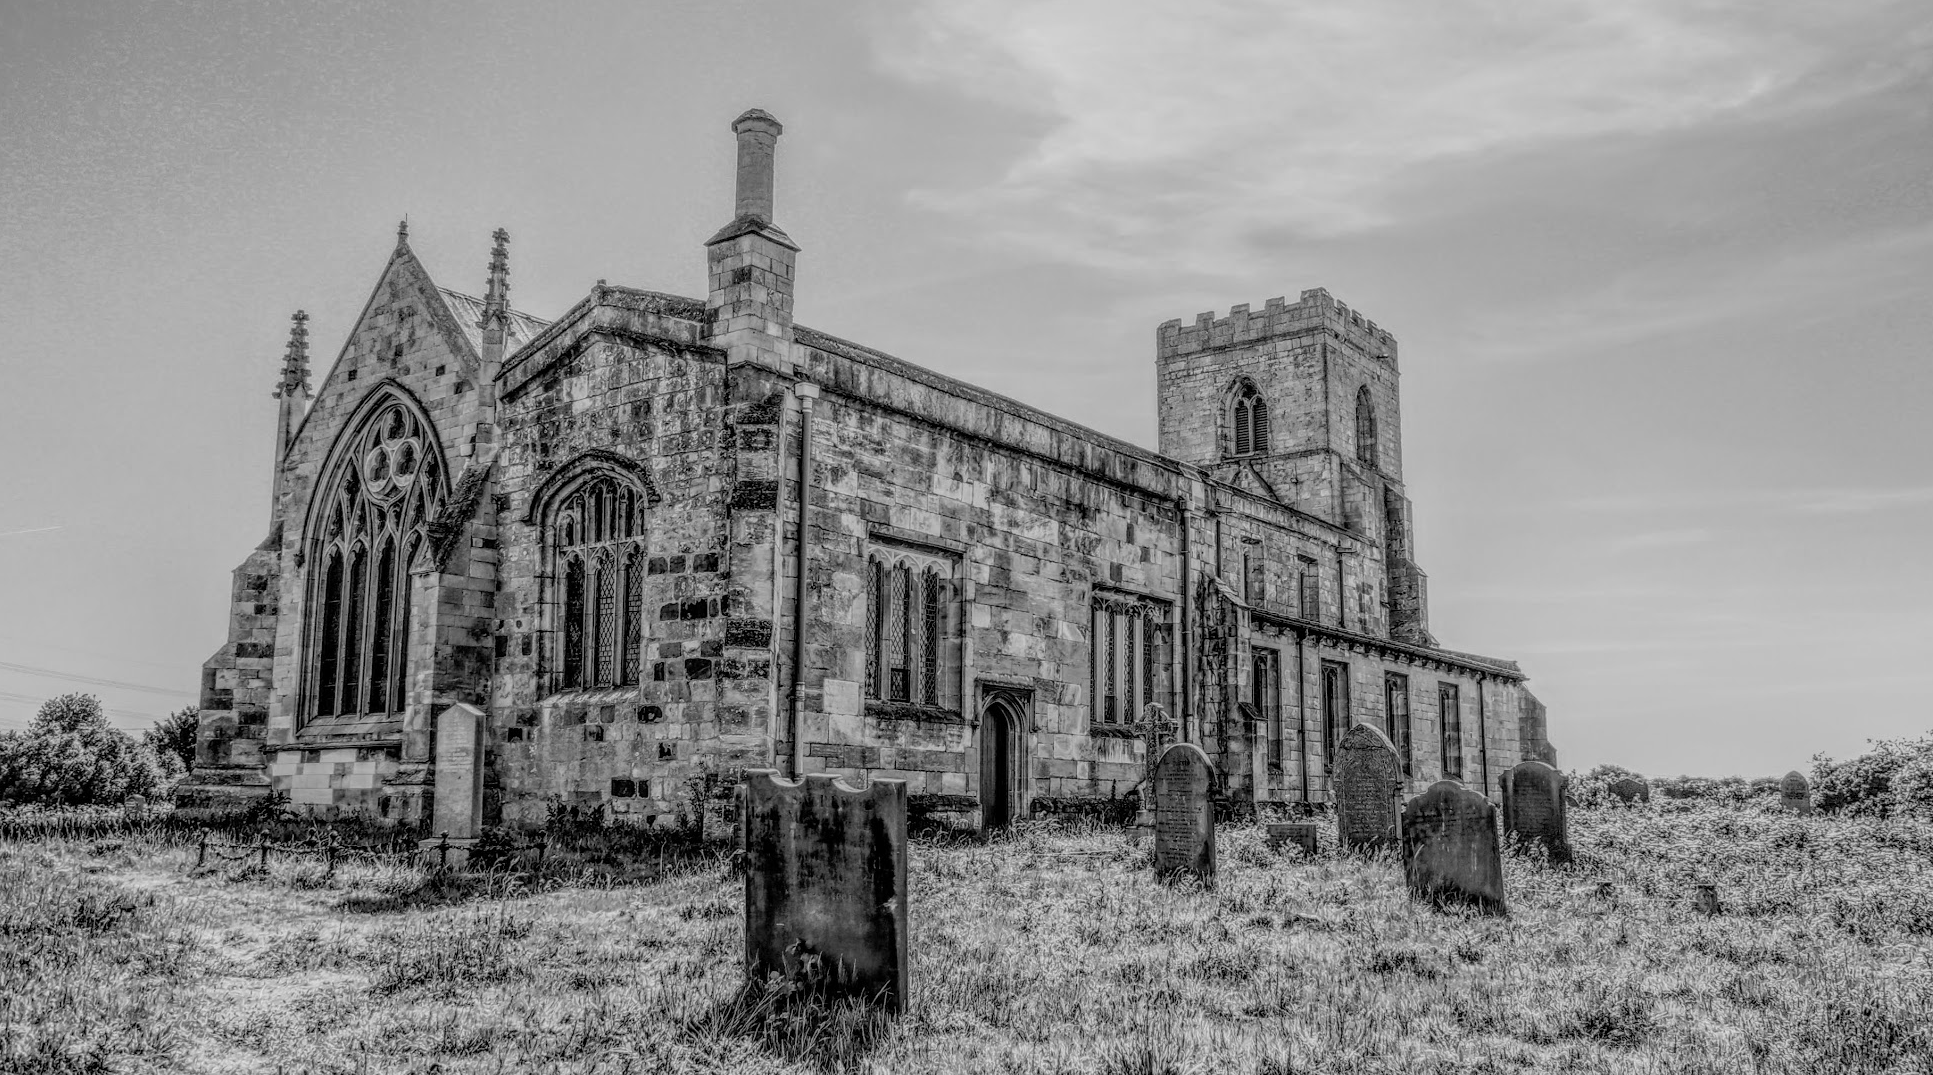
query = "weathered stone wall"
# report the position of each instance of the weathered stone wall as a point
(626, 374)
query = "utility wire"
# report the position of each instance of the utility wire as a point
(95, 681)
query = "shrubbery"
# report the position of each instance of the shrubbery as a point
(1896, 776)
(71, 756)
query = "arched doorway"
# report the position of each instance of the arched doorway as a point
(1002, 757)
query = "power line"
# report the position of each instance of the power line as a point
(95, 681)
(29, 699)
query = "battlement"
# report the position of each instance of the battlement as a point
(1315, 310)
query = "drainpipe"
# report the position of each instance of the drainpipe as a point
(806, 394)
(1302, 709)
(1186, 710)
(1483, 741)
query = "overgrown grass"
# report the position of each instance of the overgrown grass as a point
(1047, 950)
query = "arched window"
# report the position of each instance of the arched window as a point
(596, 537)
(1249, 421)
(1365, 428)
(906, 602)
(375, 503)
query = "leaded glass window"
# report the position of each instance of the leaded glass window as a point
(908, 595)
(597, 537)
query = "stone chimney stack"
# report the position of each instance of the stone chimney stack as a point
(751, 261)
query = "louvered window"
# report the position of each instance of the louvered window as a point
(1249, 417)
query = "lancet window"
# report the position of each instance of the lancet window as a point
(596, 536)
(370, 532)
(1249, 421)
(908, 606)
(1365, 428)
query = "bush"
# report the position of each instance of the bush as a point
(172, 739)
(1913, 787)
(71, 756)
(1594, 788)
(1864, 786)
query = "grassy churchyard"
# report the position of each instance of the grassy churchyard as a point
(1048, 950)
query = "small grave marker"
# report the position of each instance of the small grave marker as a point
(1632, 789)
(1368, 790)
(1795, 793)
(1301, 834)
(1450, 848)
(1184, 814)
(825, 885)
(1533, 808)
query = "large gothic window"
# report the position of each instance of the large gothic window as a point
(907, 651)
(375, 509)
(1365, 427)
(1249, 419)
(596, 536)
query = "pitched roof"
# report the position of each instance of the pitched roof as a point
(468, 311)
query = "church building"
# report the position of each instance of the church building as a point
(660, 540)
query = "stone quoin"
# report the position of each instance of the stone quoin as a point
(659, 540)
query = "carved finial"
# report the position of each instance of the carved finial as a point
(295, 361)
(402, 231)
(496, 294)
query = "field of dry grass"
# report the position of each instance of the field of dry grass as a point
(1049, 950)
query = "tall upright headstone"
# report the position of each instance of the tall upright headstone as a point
(1795, 793)
(1533, 808)
(825, 885)
(1450, 850)
(1632, 789)
(1368, 790)
(1184, 814)
(458, 805)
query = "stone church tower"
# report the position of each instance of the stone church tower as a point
(661, 539)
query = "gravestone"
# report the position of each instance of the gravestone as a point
(1368, 790)
(1533, 809)
(825, 885)
(1184, 814)
(1632, 789)
(1301, 834)
(456, 807)
(1795, 793)
(1450, 848)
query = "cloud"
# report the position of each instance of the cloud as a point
(1846, 501)
(1661, 299)
(1189, 124)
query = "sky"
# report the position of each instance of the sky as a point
(1660, 270)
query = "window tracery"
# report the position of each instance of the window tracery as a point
(387, 483)
(596, 537)
(906, 615)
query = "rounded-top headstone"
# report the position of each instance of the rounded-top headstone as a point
(1533, 808)
(1184, 814)
(1368, 788)
(1450, 851)
(1795, 793)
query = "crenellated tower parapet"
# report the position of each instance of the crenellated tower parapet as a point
(1314, 312)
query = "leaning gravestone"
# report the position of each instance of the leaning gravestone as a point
(1632, 789)
(1184, 814)
(1368, 789)
(825, 885)
(1533, 808)
(1450, 852)
(1795, 793)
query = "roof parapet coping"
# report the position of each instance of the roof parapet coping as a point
(1315, 309)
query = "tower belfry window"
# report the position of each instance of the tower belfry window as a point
(1365, 427)
(1249, 419)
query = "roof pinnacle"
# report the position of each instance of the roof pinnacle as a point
(295, 361)
(496, 295)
